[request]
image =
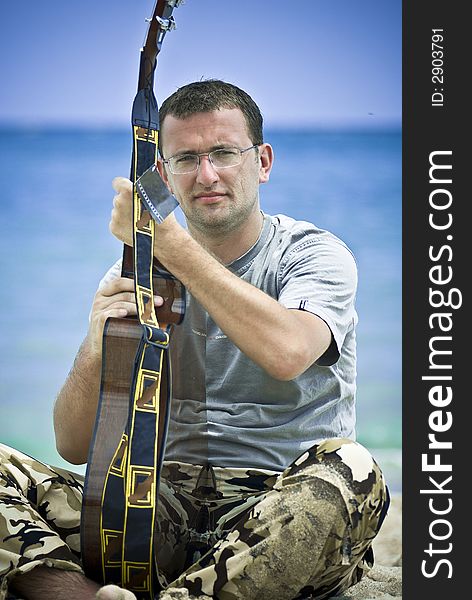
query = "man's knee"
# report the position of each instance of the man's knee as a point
(350, 467)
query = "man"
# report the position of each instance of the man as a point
(263, 390)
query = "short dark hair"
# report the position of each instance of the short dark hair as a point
(210, 95)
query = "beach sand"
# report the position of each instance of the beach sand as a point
(385, 579)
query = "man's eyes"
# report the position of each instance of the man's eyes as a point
(184, 158)
(226, 151)
(191, 158)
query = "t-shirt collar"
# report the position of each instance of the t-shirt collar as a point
(241, 264)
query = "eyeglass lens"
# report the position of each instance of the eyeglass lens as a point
(220, 159)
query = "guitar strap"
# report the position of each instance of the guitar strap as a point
(130, 492)
(131, 484)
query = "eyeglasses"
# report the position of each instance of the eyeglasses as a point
(222, 158)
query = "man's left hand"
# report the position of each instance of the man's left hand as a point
(121, 222)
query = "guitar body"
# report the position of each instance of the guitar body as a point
(120, 343)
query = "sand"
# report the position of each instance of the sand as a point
(385, 579)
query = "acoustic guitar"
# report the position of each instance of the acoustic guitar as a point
(122, 477)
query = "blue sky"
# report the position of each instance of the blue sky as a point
(318, 62)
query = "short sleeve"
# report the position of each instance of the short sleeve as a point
(113, 273)
(320, 276)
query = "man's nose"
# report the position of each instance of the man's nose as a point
(206, 172)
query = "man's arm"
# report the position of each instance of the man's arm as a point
(76, 403)
(282, 341)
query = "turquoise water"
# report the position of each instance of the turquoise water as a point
(55, 203)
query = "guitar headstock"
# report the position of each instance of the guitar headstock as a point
(160, 23)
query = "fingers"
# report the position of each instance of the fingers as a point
(124, 302)
(124, 286)
(116, 286)
(114, 299)
(118, 294)
(122, 213)
(121, 184)
(121, 220)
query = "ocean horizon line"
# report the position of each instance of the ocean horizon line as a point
(7, 126)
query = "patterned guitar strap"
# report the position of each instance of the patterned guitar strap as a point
(130, 493)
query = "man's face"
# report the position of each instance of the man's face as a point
(215, 201)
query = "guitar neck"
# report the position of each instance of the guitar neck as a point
(145, 112)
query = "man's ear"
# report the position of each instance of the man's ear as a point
(163, 173)
(266, 156)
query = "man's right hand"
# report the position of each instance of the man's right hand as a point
(114, 299)
(76, 403)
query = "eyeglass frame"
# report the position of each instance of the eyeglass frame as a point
(199, 154)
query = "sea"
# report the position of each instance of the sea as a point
(56, 198)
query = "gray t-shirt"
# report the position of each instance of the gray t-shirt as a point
(226, 410)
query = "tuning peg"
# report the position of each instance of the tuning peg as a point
(166, 24)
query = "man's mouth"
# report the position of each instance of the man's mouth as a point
(209, 197)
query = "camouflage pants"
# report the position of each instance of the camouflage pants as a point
(224, 533)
